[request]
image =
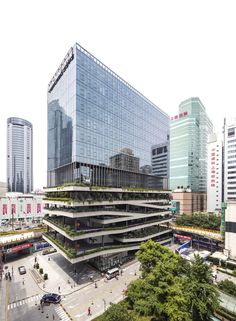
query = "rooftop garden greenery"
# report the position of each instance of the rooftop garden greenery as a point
(71, 251)
(102, 196)
(68, 229)
(203, 220)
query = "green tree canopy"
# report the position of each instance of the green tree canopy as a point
(171, 289)
(118, 312)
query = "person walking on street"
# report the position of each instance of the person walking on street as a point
(59, 289)
(89, 311)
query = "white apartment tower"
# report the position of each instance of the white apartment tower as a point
(214, 173)
(19, 155)
(229, 131)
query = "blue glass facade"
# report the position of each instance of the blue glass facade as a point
(95, 117)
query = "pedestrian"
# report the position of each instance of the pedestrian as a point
(89, 311)
(135, 273)
(59, 289)
(23, 281)
(53, 317)
(95, 284)
(121, 272)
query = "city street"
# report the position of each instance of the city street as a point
(76, 284)
(100, 298)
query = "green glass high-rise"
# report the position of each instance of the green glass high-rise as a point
(188, 146)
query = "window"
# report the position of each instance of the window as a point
(231, 132)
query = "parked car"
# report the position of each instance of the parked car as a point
(22, 269)
(50, 298)
(113, 273)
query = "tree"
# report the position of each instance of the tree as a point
(152, 252)
(203, 298)
(118, 312)
(171, 289)
(160, 292)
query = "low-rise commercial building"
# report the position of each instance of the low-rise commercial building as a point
(105, 225)
(17, 207)
(189, 202)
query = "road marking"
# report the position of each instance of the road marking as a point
(23, 301)
(61, 313)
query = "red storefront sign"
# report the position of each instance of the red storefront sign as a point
(19, 247)
(38, 208)
(4, 209)
(179, 236)
(28, 208)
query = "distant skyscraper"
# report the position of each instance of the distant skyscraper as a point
(230, 160)
(214, 173)
(188, 146)
(19, 155)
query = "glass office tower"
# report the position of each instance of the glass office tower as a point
(93, 117)
(189, 131)
(19, 155)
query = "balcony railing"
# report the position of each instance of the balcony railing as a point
(71, 252)
(72, 232)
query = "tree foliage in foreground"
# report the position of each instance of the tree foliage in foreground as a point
(170, 288)
(118, 312)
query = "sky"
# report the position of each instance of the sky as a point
(168, 50)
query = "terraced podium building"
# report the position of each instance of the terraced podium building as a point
(104, 225)
(100, 133)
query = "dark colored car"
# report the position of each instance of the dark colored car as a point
(22, 269)
(50, 298)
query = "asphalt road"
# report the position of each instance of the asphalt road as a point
(21, 296)
(100, 298)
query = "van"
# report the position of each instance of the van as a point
(112, 273)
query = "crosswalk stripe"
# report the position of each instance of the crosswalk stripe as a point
(22, 302)
(61, 313)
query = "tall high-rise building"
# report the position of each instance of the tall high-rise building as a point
(19, 155)
(93, 114)
(100, 132)
(189, 131)
(214, 173)
(229, 131)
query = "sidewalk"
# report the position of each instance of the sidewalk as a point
(62, 277)
(4, 299)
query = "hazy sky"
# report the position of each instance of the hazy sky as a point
(169, 50)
